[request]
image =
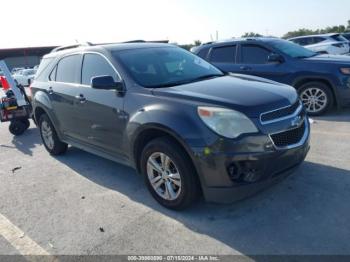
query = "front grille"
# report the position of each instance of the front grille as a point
(289, 137)
(279, 113)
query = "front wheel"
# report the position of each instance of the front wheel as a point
(169, 174)
(316, 97)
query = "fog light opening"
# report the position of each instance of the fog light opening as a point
(251, 176)
(234, 173)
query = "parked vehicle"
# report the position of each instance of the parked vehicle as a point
(182, 123)
(16, 69)
(333, 44)
(24, 77)
(321, 80)
(346, 35)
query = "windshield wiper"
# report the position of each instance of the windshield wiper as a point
(304, 56)
(206, 77)
(177, 83)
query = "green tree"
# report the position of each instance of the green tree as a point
(251, 34)
(328, 29)
(197, 42)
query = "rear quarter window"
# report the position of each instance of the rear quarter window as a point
(203, 53)
(43, 68)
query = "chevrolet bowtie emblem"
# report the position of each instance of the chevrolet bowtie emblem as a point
(297, 121)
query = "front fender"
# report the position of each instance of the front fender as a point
(183, 123)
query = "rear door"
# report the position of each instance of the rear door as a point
(64, 82)
(101, 111)
(253, 60)
(224, 57)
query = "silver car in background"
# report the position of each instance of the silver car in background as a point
(333, 44)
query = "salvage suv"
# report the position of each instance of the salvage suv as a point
(188, 128)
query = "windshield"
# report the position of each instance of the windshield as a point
(28, 72)
(165, 66)
(339, 38)
(291, 49)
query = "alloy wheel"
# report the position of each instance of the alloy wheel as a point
(164, 176)
(47, 135)
(314, 99)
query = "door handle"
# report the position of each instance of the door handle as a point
(245, 68)
(81, 98)
(50, 91)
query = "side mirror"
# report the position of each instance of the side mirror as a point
(106, 83)
(275, 58)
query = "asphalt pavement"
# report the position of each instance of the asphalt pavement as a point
(82, 204)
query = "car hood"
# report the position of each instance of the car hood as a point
(341, 59)
(248, 94)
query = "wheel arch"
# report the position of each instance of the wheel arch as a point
(152, 131)
(301, 81)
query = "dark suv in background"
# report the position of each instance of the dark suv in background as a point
(182, 123)
(321, 80)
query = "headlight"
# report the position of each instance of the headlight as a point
(226, 122)
(345, 70)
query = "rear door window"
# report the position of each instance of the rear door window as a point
(317, 40)
(96, 65)
(225, 54)
(254, 54)
(68, 69)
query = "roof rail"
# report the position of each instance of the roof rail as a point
(65, 47)
(134, 41)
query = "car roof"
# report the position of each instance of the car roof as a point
(319, 35)
(108, 47)
(237, 40)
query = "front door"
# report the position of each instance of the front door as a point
(253, 60)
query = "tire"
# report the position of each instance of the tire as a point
(17, 127)
(178, 163)
(317, 98)
(49, 137)
(26, 122)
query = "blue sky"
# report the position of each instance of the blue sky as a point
(42, 22)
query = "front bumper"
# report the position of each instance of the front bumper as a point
(246, 167)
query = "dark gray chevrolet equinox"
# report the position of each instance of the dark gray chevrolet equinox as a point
(188, 128)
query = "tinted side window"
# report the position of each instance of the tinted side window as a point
(68, 69)
(96, 65)
(203, 53)
(308, 40)
(301, 41)
(318, 40)
(253, 54)
(42, 67)
(52, 76)
(224, 54)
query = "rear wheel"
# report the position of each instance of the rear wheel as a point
(49, 136)
(316, 97)
(169, 174)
